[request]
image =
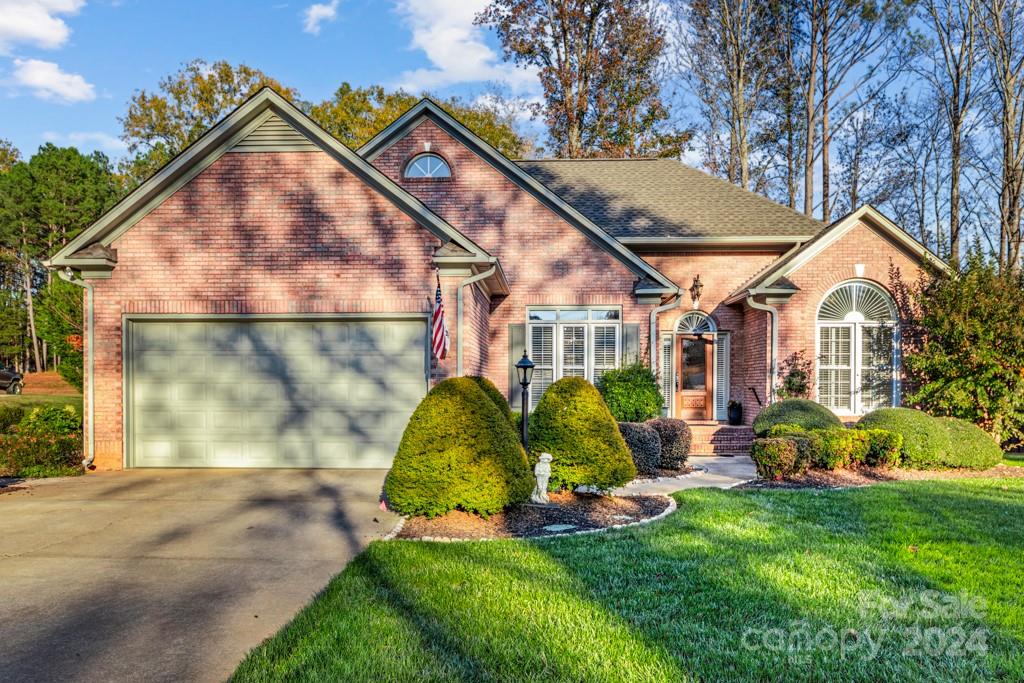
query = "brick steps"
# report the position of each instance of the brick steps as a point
(720, 439)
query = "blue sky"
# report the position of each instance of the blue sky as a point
(68, 67)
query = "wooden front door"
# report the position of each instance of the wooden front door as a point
(694, 378)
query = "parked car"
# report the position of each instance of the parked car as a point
(11, 381)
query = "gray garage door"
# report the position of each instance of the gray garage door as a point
(271, 393)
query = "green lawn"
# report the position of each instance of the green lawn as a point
(1014, 459)
(713, 592)
(33, 400)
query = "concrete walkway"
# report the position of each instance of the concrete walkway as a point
(717, 472)
(169, 575)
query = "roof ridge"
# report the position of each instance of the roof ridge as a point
(556, 159)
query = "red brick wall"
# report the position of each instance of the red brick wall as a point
(281, 232)
(546, 260)
(721, 272)
(836, 264)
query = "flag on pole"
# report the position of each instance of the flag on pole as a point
(438, 329)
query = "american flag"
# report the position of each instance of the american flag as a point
(438, 329)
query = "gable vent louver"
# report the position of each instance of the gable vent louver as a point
(275, 135)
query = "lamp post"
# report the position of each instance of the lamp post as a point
(525, 370)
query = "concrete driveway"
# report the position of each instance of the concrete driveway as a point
(169, 574)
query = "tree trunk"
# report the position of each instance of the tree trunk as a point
(826, 208)
(26, 269)
(954, 196)
(809, 119)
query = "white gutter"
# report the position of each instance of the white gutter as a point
(653, 337)
(459, 297)
(774, 318)
(68, 275)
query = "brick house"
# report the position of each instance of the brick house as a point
(263, 300)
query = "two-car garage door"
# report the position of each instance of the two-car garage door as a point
(235, 392)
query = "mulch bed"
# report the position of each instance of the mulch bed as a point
(865, 476)
(583, 511)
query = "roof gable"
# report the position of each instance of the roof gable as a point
(427, 109)
(774, 277)
(265, 122)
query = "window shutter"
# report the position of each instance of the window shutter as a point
(542, 352)
(630, 344)
(516, 346)
(606, 352)
(722, 377)
(667, 376)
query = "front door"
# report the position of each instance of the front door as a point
(694, 390)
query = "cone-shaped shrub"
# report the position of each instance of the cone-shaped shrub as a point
(573, 424)
(458, 452)
(492, 393)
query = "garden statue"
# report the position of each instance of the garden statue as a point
(542, 470)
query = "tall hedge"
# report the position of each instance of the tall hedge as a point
(573, 424)
(795, 411)
(458, 452)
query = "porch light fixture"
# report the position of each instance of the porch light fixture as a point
(524, 368)
(696, 289)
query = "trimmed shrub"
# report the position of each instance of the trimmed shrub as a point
(517, 423)
(9, 417)
(786, 430)
(795, 411)
(458, 452)
(841, 448)
(488, 387)
(775, 458)
(573, 424)
(51, 420)
(925, 440)
(631, 393)
(969, 445)
(676, 438)
(808, 450)
(883, 448)
(41, 455)
(645, 445)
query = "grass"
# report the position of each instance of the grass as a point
(720, 590)
(32, 400)
(1013, 459)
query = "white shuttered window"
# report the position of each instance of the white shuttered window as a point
(572, 342)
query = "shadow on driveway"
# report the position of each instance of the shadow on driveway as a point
(170, 574)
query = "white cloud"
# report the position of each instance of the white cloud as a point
(35, 22)
(318, 14)
(48, 82)
(86, 141)
(444, 31)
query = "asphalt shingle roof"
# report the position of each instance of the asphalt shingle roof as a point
(665, 198)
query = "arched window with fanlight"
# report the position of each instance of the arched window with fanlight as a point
(857, 349)
(428, 166)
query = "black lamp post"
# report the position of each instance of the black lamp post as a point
(525, 370)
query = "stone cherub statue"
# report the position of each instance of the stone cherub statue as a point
(542, 470)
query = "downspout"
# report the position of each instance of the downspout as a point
(68, 275)
(459, 298)
(774, 318)
(653, 337)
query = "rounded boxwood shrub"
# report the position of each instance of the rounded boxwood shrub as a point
(795, 411)
(969, 445)
(631, 393)
(925, 440)
(841, 448)
(676, 438)
(573, 424)
(775, 458)
(488, 387)
(645, 445)
(883, 448)
(458, 452)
